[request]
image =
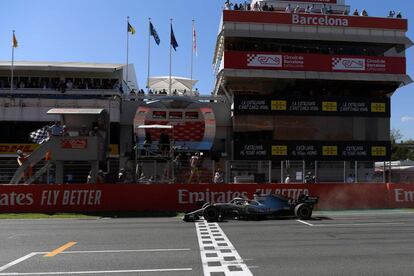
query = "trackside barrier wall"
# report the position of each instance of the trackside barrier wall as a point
(183, 197)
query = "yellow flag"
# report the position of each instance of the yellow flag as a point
(131, 29)
(14, 42)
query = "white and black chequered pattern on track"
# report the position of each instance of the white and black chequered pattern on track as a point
(250, 57)
(39, 136)
(218, 255)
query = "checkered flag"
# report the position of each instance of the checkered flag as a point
(40, 136)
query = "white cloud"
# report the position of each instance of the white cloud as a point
(406, 119)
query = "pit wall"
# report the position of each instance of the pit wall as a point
(183, 197)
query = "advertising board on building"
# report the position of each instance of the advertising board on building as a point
(302, 19)
(327, 106)
(314, 62)
(312, 150)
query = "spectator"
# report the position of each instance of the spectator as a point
(391, 14)
(100, 177)
(309, 178)
(21, 158)
(65, 131)
(227, 5)
(288, 8)
(324, 10)
(364, 13)
(69, 178)
(356, 13)
(69, 84)
(287, 179)
(271, 8)
(147, 142)
(399, 15)
(132, 95)
(265, 7)
(312, 9)
(89, 178)
(62, 86)
(56, 129)
(83, 131)
(164, 143)
(308, 9)
(330, 10)
(350, 178)
(346, 12)
(194, 163)
(256, 7)
(236, 7)
(96, 132)
(297, 9)
(218, 177)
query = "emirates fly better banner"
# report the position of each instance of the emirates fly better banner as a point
(314, 62)
(181, 197)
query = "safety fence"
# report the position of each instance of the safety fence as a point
(244, 171)
(184, 197)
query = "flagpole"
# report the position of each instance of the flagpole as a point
(170, 83)
(12, 66)
(192, 56)
(127, 52)
(149, 52)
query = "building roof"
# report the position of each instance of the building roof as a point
(70, 111)
(61, 66)
(177, 83)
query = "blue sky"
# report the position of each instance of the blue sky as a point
(94, 31)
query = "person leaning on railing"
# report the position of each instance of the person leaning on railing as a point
(21, 159)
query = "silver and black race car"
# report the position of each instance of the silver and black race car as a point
(260, 207)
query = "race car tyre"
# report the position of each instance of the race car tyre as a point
(211, 213)
(303, 211)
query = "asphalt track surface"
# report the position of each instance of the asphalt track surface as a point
(379, 242)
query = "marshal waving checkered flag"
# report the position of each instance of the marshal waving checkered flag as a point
(40, 136)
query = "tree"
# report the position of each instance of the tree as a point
(395, 135)
(402, 150)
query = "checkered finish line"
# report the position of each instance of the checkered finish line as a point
(218, 255)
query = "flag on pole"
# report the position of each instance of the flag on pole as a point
(154, 34)
(173, 41)
(131, 29)
(194, 41)
(15, 44)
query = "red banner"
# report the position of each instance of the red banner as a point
(315, 20)
(314, 62)
(159, 197)
(79, 143)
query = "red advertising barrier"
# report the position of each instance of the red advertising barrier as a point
(183, 197)
(400, 195)
(314, 62)
(315, 20)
